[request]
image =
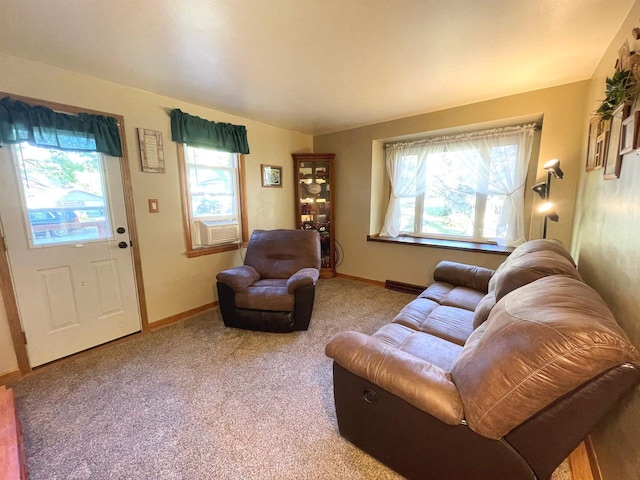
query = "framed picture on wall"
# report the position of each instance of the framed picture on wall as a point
(592, 143)
(613, 159)
(636, 129)
(602, 142)
(628, 139)
(624, 56)
(271, 176)
(151, 150)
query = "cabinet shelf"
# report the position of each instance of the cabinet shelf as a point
(315, 205)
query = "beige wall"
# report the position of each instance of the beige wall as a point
(358, 164)
(607, 229)
(173, 283)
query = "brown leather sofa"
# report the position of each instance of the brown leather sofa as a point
(275, 288)
(486, 375)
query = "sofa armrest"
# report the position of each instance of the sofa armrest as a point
(302, 278)
(238, 278)
(463, 275)
(420, 383)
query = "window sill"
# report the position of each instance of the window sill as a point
(198, 252)
(447, 244)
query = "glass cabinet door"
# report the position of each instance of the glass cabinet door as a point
(315, 204)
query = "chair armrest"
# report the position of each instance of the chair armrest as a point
(420, 383)
(463, 275)
(238, 278)
(302, 278)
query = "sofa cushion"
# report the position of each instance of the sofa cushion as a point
(415, 313)
(422, 345)
(449, 323)
(528, 268)
(452, 295)
(482, 311)
(539, 343)
(421, 383)
(453, 324)
(463, 275)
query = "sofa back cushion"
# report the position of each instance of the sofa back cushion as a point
(527, 248)
(281, 253)
(528, 268)
(541, 244)
(483, 309)
(539, 343)
(463, 275)
(528, 262)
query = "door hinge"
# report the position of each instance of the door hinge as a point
(3, 244)
(24, 338)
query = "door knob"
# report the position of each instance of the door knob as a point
(120, 230)
(123, 245)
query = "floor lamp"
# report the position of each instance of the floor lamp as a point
(543, 189)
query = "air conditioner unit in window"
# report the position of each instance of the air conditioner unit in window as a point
(219, 231)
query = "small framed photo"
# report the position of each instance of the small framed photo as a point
(628, 137)
(613, 159)
(636, 130)
(592, 144)
(601, 150)
(271, 175)
(151, 150)
(624, 56)
(602, 142)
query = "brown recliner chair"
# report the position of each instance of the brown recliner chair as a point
(275, 288)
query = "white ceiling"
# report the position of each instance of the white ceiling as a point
(318, 66)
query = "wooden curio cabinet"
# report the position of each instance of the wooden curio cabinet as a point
(315, 203)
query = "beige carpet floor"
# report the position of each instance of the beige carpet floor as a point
(197, 400)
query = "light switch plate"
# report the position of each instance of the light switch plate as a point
(154, 206)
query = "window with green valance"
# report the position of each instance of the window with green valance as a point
(43, 127)
(201, 133)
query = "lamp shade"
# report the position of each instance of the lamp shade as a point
(553, 167)
(540, 189)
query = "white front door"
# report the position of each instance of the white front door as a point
(64, 222)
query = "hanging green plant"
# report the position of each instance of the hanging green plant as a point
(620, 88)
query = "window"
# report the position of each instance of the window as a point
(467, 187)
(63, 194)
(212, 198)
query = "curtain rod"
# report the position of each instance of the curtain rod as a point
(478, 133)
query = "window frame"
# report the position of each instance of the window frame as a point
(480, 208)
(186, 214)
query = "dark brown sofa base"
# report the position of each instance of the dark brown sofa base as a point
(417, 445)
(264, 320)
(412, 442)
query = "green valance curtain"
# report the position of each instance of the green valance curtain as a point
(41, 126)
(198, 132)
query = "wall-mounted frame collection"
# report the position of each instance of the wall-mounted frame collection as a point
(615, 127)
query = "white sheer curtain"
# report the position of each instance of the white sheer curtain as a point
(406, 164)
(498, 157)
